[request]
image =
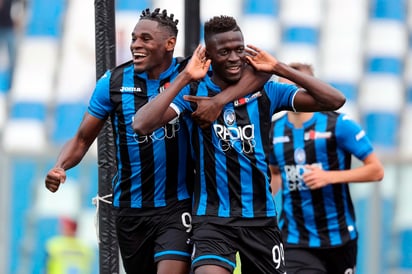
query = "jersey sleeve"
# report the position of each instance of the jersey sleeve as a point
(281, 95)
(179, 104)
(352, 138)
(100, 105)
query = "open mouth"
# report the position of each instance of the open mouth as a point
(138, 57)
(233, 69)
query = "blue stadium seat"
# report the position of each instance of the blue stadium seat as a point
(67, 118)
(405, 240)
(24, 171)
(5, 82)
(261, 7)
(385, 64)
(388, 9)
(300, 34)
(350, 90)
(125, 5)
(28, 110)
(380, 127)
(45, 18)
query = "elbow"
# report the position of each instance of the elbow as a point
(140, 128)
(379, 174)
(338, 101)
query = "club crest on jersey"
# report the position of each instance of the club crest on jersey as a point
(312, 135)
(229, 117)
(300, 156)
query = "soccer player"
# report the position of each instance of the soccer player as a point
(311, 163)
(151, 190)
(152, 187)
(233, 209)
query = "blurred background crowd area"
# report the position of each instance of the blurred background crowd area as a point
(363, 47)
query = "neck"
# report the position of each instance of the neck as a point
(299, 118)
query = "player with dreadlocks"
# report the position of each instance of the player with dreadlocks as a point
(151, 190)
(152, 187)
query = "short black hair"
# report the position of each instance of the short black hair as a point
(162, 18)
(219, 24)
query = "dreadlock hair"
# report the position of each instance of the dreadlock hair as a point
(162, 18)
(219, 24)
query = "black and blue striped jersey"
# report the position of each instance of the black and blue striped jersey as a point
(232, 155)
(152, 171)
(323, 217)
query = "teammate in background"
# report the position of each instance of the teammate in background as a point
(311, 163)
(152, 187)
(66, 253)
(233, 209)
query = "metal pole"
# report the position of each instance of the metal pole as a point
(105, 38)
(192, 25)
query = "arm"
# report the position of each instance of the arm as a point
(157, 112)
(317, 95)
(275, 179)
(73, 151)
(209, 108)
(371, 171)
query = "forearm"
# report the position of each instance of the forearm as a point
(363, 174)
(325, 95)
(154, 114)
(71, 154)
(251, 80)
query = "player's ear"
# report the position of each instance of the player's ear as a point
(170, 43)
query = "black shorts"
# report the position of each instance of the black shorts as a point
(146, 240)
(339, 260)
(260, 248)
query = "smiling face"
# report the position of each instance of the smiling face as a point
(152, 48)
(227, 52)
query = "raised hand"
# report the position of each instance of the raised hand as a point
(260, 59)
(54, 178)
(198, 64)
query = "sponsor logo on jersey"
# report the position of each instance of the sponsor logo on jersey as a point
(231, 136)
(168, 131)
(245, 100)
(294, 176)
(130, 89)
(312, 135)
(280, 139)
